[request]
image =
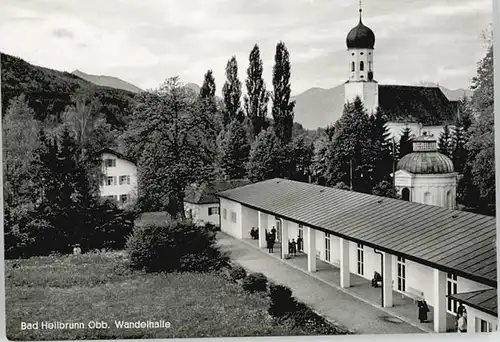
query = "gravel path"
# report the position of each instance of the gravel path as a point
(328, 301)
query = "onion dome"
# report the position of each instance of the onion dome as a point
(360, 37)
(425, 159)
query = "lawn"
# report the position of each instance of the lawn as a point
(101, 287)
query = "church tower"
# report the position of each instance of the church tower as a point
(361, 82)
(427, 176)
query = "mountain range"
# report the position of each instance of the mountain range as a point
(108, 81)
(315, 107)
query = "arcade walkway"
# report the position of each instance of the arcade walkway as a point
(357, 307)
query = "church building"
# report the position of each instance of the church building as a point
(423, 109)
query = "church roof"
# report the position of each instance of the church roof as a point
(426, 105)
(450, 240)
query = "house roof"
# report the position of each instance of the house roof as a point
(450, 240)
(427, 105)
(118, 154)
(206, 193)
(482, 300)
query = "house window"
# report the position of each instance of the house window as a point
(401, 274)
(361, 53)
(370, 65)
(361, 259)
(362, 66)
(233, 217)
(213, 211)
(353, 66)
(224, 214)
(124, 180)
(110, 180)
(451, 288)
(352, 54)
(123, 198)
(110, 162)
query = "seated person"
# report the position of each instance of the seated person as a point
(377, 278)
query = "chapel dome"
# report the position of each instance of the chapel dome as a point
(360, 37)
(425, 159)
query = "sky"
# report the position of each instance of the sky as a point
(144, 42)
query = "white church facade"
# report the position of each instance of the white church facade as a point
(422, 109)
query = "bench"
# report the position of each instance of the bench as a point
(414, 294)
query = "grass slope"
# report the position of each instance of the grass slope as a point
(101, 287)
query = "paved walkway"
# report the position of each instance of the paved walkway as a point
(347, 308)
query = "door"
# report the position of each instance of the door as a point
(327, 246)
(401, 274)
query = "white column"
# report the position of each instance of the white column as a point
(284, 238)
(439, 301)
(387, 279)
(262, 229)
(471, 321)
(311, 249)
(345, 274)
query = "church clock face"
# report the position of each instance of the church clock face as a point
(370, 75)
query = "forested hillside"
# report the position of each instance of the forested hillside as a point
(48, 92)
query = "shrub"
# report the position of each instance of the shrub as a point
(255, 282)
(177, 246)
(211, 227)
(238, 272)
(282, 302)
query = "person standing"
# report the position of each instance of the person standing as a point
(462, 323)
(273, 233)
(299, 244)
(271, 245)
(294, 247)
(422, 311)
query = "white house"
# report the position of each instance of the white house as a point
(119, 178)
(422, 251)
(201, 202)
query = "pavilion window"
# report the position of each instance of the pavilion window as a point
(451, 288)
(361, 66)
(361, 259)
(353, 66)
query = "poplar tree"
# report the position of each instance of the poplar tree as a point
(282, 109)
(257, 97)
(231, 92)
